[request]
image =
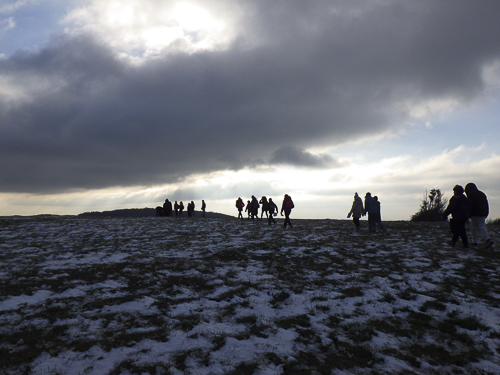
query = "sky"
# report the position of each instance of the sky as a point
(108, 104)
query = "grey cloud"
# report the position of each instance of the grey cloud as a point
(301, 74)
(298, 157)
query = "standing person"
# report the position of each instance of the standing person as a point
(254, 206)
(203, 208)
(263, 201)
(371, 210)
(167, 208)
(378, 216)
(459, 208)
(192, 209)
(239, 206)
(181, 208)
(356, 210)
(248, 209)
(478, 213)
(176, 209)
(272, 208)
(287, 206)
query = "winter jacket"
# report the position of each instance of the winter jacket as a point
(370, 204)
(287, 205)
(458, 207)
(478, 201)
(271, 207)
(357, 208)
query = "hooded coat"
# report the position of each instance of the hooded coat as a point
(357, 207)
(478, 200)
(370, 204)
(458, 207)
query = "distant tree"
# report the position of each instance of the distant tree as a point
(432, 207)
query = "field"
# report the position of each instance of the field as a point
(222, 296)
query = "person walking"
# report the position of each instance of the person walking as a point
(254, 207)
(478, 213)
(203, 208)
(356, 210)
(459, 208)
(263, 201)
(239, 205)
(181, 208)
(248, 209)
(272, 209)
(378, 216)
(176, 209)
(287, 207)
(371, 210)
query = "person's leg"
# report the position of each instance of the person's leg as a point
(474, 224)
(371, 222)
(356, 222)
(463, 234)
(481, 226)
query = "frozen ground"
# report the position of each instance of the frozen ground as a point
(218, 296)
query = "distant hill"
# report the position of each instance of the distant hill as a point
(145, 212)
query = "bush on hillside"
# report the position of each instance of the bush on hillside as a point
(432, 207)
(494, 222)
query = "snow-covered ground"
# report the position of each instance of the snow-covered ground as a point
(220, 296)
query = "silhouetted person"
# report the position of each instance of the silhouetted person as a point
(254, 207)
(239, 205)
(378, 215)
(167, 208)
(203, 208)
(263, 201)
(459, 208)
(176, 208)
(249, 209)
(272, 209)
(181, 208)
(356, 210)
(287, 207)
(479, 211)
(371, 210)
(192, 209)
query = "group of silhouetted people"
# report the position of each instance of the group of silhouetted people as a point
(472, 205)
(371, 207)
(177, 209)
(267, 207)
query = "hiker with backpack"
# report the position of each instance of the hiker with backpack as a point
(287, 207)
(239, 206)
(272, 209)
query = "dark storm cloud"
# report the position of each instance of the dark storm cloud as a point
(300, 74)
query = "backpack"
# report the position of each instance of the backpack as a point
(289, 204)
